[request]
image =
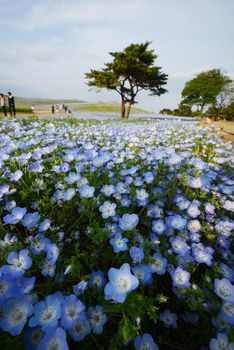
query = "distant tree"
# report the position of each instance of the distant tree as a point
(166, 111)
(131, 71)
(226, 95)
(203, 90)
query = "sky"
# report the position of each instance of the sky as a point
(47, 46)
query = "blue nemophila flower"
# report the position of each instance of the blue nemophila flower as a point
(97, 279)
(141, 195)
(48, 268)
(54, 339)
(69, 194)
(125, 201)
(25, 285)
(81, 328)
(15, 314)
(8, 240)
(199, 182)
(80, 288)
(44, 225)
(209, 208)
(108, 190)
(121, 283)
(181, 202)
(64, 168)
(121, 188)
(46, 313)
(158, 226)
(96, 318)
(159, 264)
(219, 323)
(8, 288)
(32, 338)
(35, 167)
(30, 220)
(18, 263)
(16, 215)
(202, 254)
(39, 244)
(176, 222)
(107, 209)
(143, 273)
(71, 309)
(149, 177)
(193, 210)
(168, 318)
(4, 189)
(224, 226)
(145, 342)
(72, 177)
(10, 205)
(221, 342)
(228, 312)
(229, 205)
(137, 254)
(16, 176)
(179, 246)
(128, 222)
(193, 226)
(119, 243)
(52, 252)
(180, 278)
(224, 289)
(86, 191)
(154, 211)
(226, 271)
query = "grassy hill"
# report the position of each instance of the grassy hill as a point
(29, 102)
(44, 105)
(113, 107)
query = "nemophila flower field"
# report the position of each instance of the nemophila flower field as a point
(115, 236)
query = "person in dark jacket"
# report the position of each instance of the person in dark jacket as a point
(3, 104)
(11, 102)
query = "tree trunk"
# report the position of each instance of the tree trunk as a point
(128, 110)
(122, 108)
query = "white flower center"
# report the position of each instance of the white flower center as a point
(123, 284)
(16, 316)
(224, 291)
(48, 314)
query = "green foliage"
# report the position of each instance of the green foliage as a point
(131, 71)
(204, 88)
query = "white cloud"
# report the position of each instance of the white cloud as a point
(27, 53)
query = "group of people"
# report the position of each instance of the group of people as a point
(11, 104)
(56, 108)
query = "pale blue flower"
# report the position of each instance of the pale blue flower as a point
(128, 222)
(121, 283)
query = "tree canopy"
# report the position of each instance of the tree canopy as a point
(130, 72)
(203, 90)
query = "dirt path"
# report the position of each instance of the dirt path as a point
(226, 128)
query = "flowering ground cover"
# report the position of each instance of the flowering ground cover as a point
(115, 236)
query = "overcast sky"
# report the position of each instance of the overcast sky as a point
(48, 45)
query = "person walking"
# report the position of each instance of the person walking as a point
(11, 102)
(3, 104)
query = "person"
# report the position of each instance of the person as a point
(52, 108)
(11, 102)
(3, 104)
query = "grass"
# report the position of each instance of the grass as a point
(105, 107)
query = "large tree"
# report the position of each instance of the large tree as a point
(131, 71)
(203, 90)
